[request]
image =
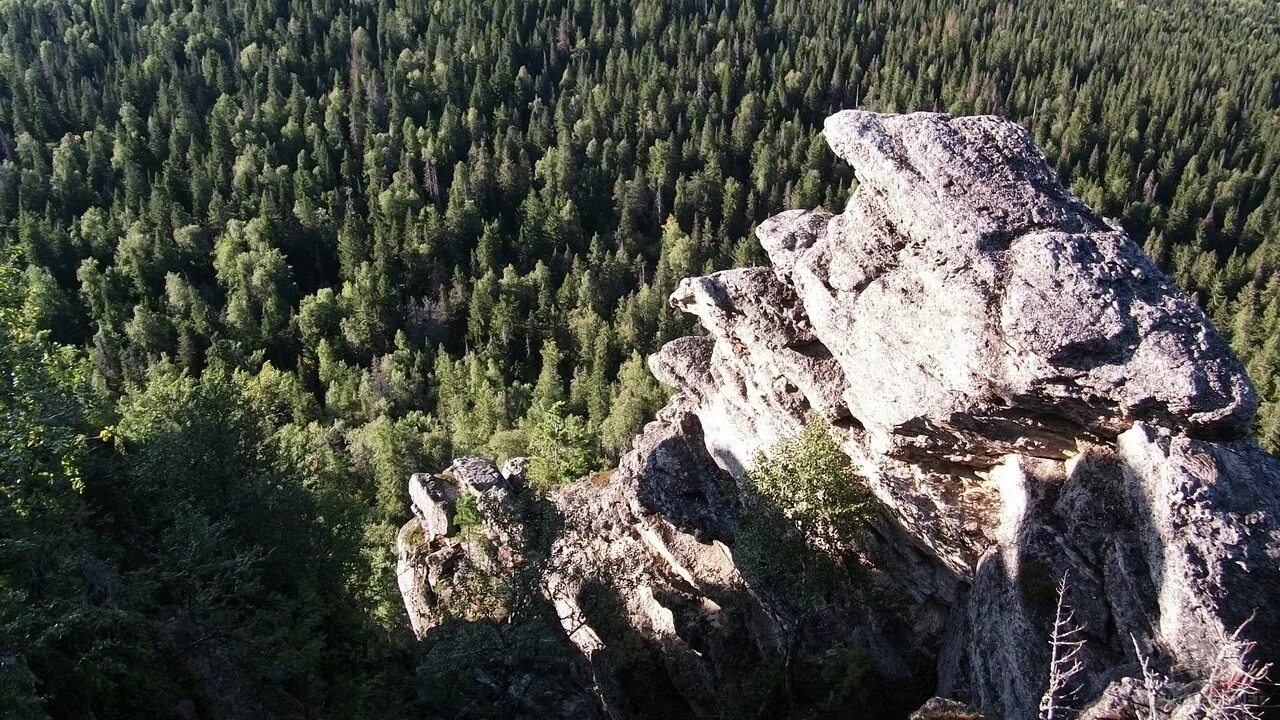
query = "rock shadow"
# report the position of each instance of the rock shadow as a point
(1140, 535)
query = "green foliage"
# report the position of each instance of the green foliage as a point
(842, 682)
(474, 593)
(559, 446)
(636, 402)
(467, 514)
(765, 690)
(491, 203)
(846, 682)
(54, 622)
(802, 497)
(797, 545)
(467, 666)
(295, 250)
(204, 495)
(809, 478)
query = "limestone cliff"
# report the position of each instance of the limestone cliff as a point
(1029, 399)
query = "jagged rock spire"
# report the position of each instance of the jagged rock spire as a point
(1026, 394)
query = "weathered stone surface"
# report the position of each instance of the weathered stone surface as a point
(621, 559)
(654, 547)
(432, 500)
(514, 470)
(1208, 518)
(755, 309)
(477, 474)
(987, 327)
(978, 309)
(412, 577)
(752, 388)
(429, 548)
(1152, 561)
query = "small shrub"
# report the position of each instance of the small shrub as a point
(804, 506)
(809, 479)
(466, 514)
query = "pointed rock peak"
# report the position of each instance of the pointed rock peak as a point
(976, 176)
(978, 308)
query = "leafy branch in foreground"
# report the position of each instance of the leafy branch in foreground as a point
(810, 481)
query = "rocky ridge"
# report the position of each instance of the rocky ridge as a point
(1032, 403)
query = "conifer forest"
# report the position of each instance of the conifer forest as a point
(262, 259)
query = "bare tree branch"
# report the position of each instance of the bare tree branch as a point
(1064, 662)
(1233, 690)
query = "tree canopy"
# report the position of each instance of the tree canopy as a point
(263, 258)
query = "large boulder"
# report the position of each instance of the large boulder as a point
(1034, 403)
(979, 309)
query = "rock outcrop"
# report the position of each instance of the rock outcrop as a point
(1041, 415)
(980, 310)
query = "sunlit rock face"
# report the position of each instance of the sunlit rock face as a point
(1031, 401)
(977, 308)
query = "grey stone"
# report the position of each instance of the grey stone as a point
(970, 299)
(1209, 522)
(976, 311)
(433, 500)
(514, 470)
(413, 579)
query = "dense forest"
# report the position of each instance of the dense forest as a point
(261, 259)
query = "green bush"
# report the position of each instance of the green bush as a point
(809, 480)
(466, 514)
(804, 506)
